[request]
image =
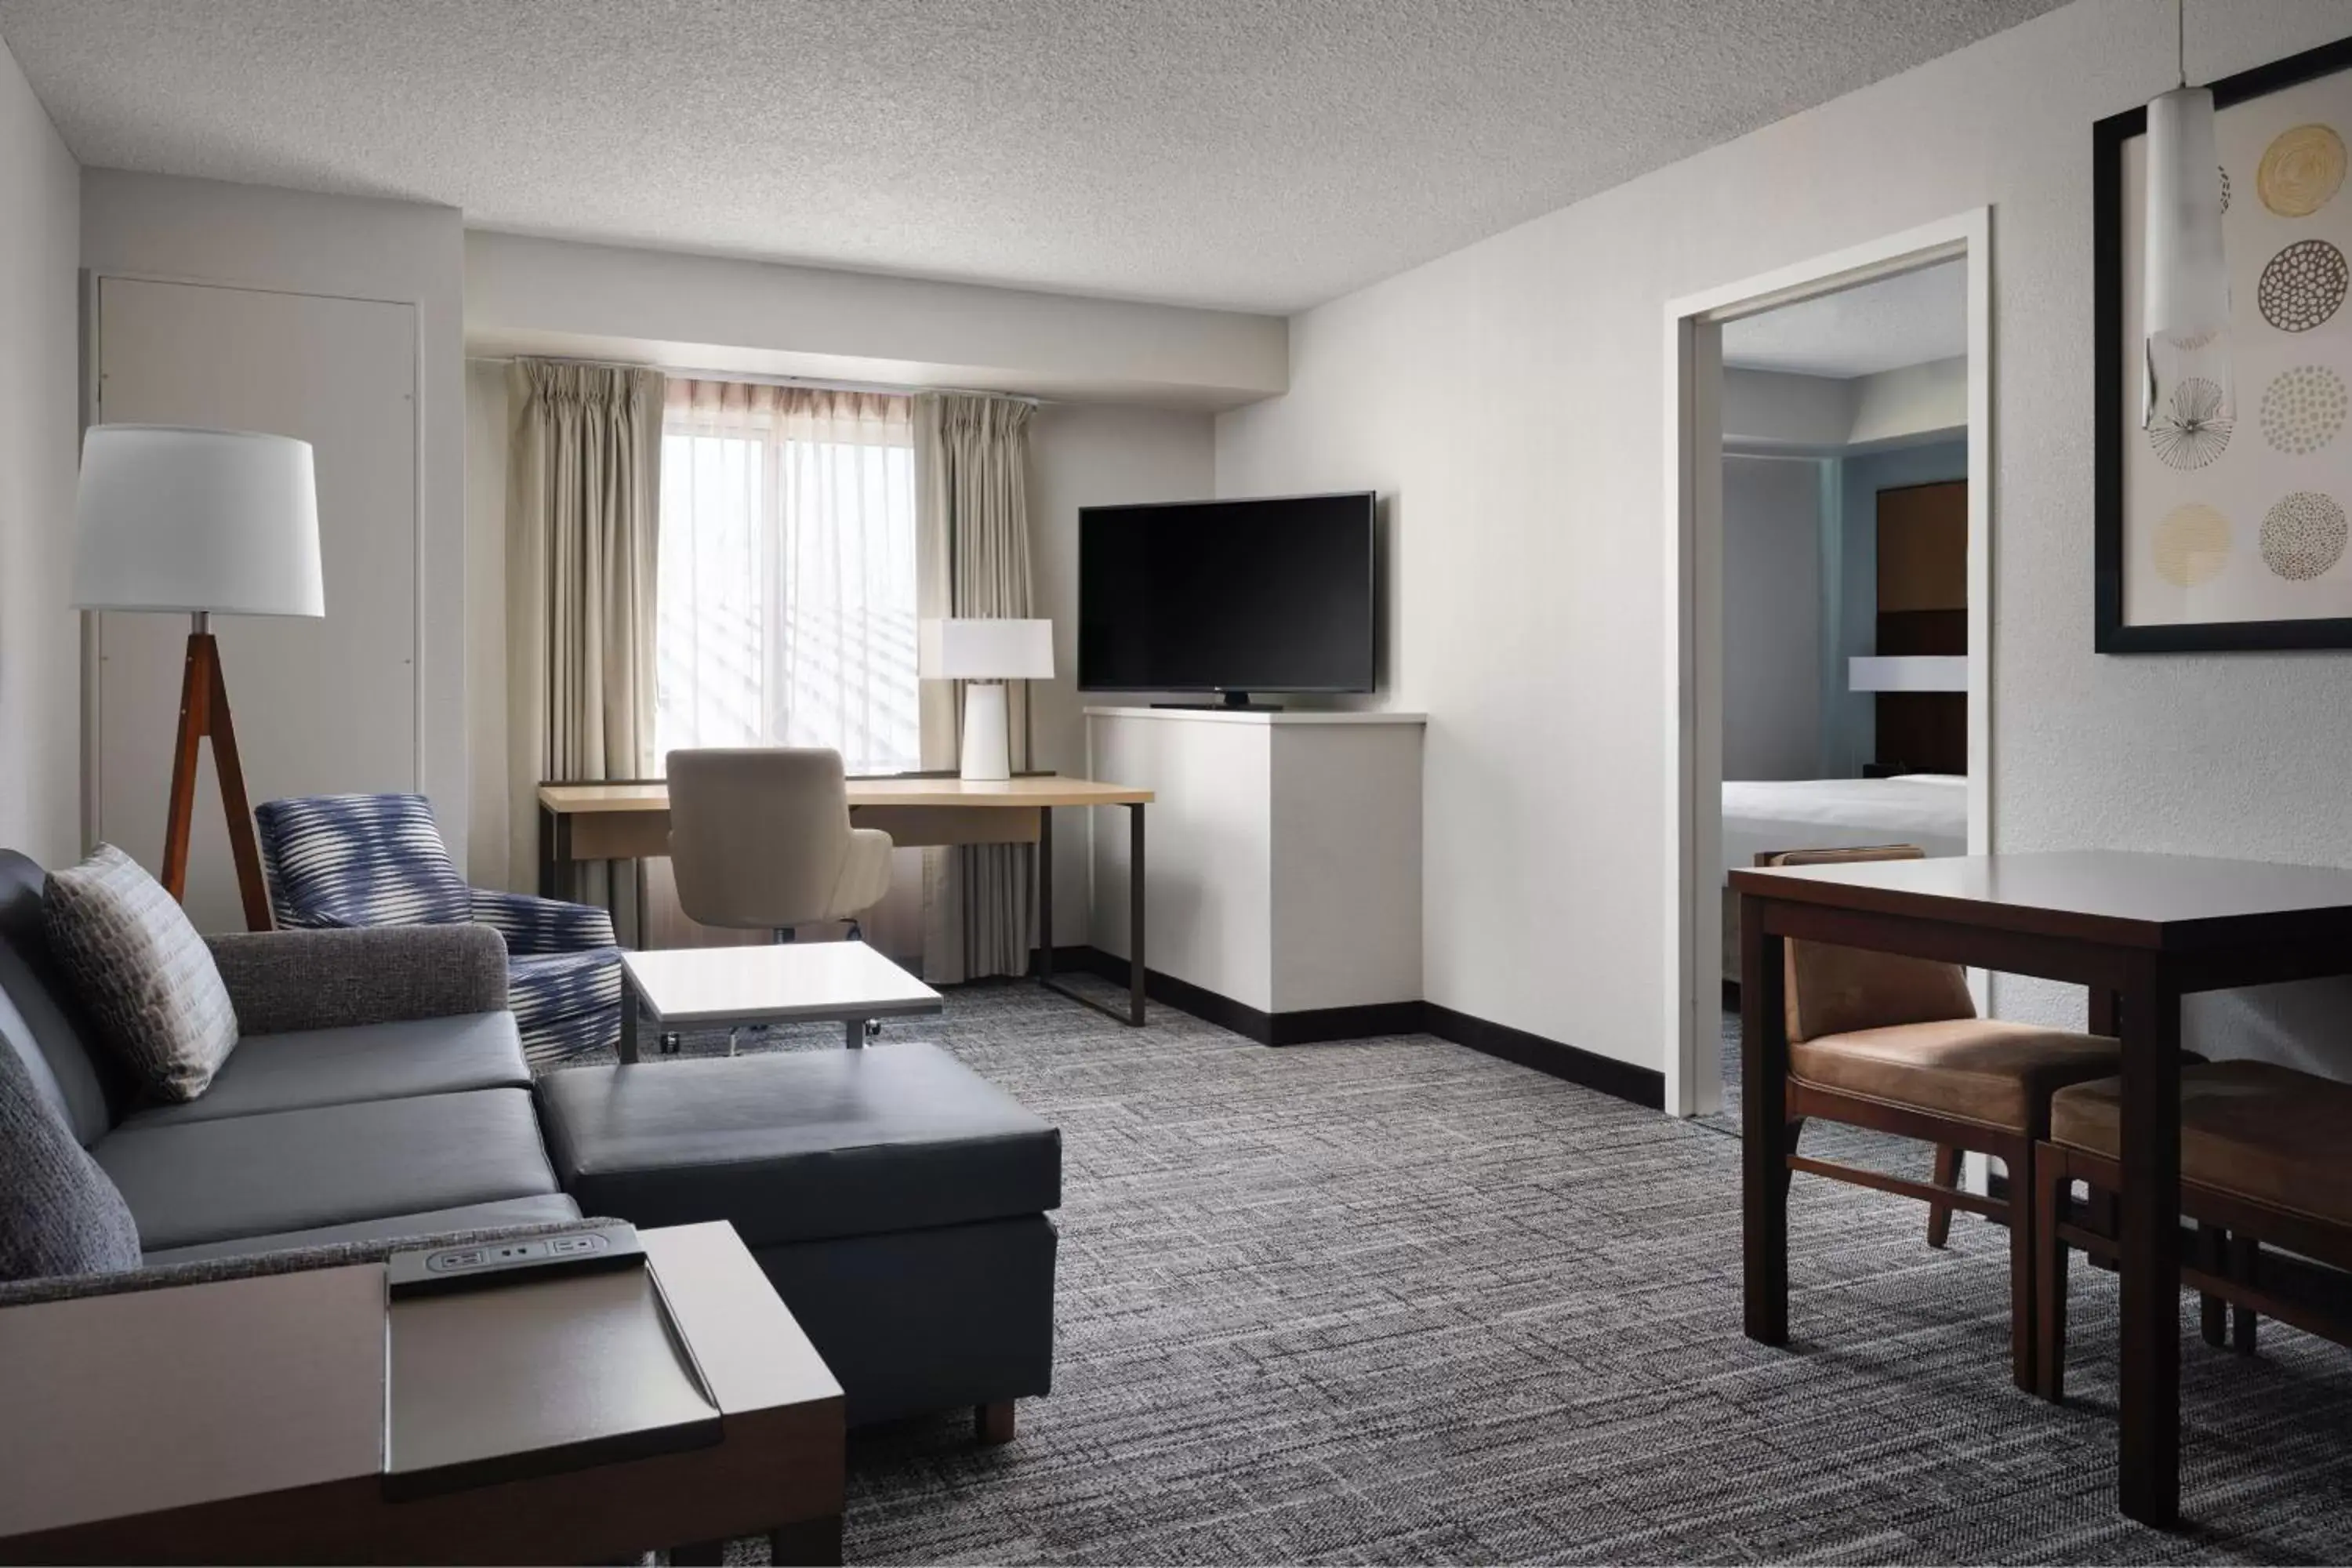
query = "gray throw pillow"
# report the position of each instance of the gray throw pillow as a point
(146, 976)
(58, 1212)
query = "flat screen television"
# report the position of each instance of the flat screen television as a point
(1228, 596)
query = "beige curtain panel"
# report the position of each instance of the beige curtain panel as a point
(583, 547)
(972, 489)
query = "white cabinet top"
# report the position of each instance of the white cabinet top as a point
(1279, 716)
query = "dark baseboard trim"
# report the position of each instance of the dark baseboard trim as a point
(1300, 1029)
(1364, 1023)
(1641, 1085)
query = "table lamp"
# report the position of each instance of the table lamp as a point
(986, 654)
(204, 522)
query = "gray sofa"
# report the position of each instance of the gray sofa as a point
(378, 1095)
(378, 1090)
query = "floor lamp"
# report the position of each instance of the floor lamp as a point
(202, 523)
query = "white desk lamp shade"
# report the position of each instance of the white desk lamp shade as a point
(987, 652)
(972, 648)
(170, 518)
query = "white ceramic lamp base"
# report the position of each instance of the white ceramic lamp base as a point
(987, 735)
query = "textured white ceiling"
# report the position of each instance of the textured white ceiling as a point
(1909, 318)
(1263, 155)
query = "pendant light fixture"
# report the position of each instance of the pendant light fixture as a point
(2188, 390)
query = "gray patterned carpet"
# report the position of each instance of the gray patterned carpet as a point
(1393, 1301)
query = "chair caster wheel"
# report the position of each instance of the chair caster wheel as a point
(873, 1027)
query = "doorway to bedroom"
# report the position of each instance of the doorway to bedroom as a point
(1830, 503)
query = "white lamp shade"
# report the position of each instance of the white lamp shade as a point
(979, 649)
(170, 518)
(1911, 672)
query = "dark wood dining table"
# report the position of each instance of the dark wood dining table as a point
(2140, 931)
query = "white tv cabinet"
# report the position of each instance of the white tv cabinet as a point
(1283, 865)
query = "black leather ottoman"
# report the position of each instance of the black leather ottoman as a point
(896, 1200)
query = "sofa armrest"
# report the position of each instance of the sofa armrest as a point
(287, 980)
(293, 1260)
(534, 925)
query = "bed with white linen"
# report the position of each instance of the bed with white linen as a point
(1759, 816)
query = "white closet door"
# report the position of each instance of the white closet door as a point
(319, 705)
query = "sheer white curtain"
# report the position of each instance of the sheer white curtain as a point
(787, 604)
(787, 593)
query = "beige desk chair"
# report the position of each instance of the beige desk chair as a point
(760, 840)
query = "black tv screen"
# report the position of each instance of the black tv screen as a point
(1227, 596)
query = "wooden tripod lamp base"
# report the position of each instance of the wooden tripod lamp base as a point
(204, 711)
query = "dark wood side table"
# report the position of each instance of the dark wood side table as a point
(2141, 932)
(249, 1420)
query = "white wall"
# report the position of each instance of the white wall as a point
(1092, 454)
(1768, 410)
(1916, 403)
(1773, 411)
(705, 313)
(40, 634)
(1771, 617)
(488, 835)
(1132, 386)
(1509, 399)
(259, 236)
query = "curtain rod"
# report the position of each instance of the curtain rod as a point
(756, 378)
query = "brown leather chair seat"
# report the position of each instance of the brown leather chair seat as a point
(2253, 1130)
(1976, 1069)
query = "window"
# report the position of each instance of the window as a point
(787, 579)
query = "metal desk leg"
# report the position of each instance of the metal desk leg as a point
(630, 1006)
(1134, 965)
(1134, 1015)
(854, 1034)
(1045, 892)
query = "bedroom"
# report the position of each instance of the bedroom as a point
(1846, 577)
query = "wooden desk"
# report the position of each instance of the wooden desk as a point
(2141, 932)
(247, 1420)
(630, 821)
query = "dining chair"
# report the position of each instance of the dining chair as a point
(1893, 1044)
(2262, 1176)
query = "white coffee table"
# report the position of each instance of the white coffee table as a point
(791, 983)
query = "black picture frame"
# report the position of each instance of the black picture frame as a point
(2110, 633)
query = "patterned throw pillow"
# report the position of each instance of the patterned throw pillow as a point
(58, 1214)
(146, 976)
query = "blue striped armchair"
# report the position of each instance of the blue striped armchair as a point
(378, 860)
